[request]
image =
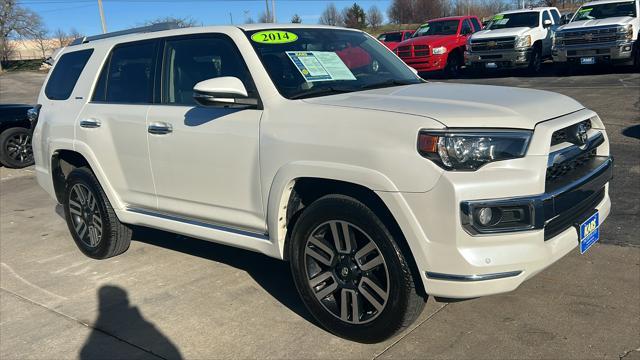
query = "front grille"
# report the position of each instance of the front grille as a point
(589, 36)
(574, 216)
(409, 51)
(571, 166)
(504, 43)
(562, 135)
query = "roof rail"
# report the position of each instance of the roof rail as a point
(144, 29)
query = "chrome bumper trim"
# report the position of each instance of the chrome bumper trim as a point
(471, 278)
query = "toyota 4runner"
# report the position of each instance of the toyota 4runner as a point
(319, 146)
(514, 39)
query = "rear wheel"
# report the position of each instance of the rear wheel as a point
(15, 148)
(350, 272)
(91, 220)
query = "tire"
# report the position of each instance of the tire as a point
(85, 202)
(331, 281)
(454, 65)
(535, 63)
(15, 148)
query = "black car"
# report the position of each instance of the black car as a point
(15, 135)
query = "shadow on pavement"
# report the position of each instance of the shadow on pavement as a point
(632, 131)
(117, 314)
(273, 275)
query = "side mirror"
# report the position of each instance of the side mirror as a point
(226, 91)
(547, 23)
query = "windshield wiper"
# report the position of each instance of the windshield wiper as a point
(388, 83)
(320, 92)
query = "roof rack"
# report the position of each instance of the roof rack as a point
(144, 29)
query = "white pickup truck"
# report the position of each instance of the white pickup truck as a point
(600, 32)
(319, 146)
(514, 39)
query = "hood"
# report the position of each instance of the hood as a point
(461, 105)
(620, 20)
(431, 40)
(490, 34)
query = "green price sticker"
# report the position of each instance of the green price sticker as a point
(498, 17)
(585, 10)
(274, 37)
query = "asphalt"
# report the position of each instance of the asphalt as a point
(176, 297)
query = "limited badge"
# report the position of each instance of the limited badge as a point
(274, 37)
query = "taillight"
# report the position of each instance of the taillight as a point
(33, 114)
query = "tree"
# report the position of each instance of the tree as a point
(354, 17)
(183, 22)
(374, 17)
(16, 22)
(296, 19)
(331, 16)
(43, 41)
(399, 12)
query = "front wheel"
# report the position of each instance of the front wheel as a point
(350, 271)
(535, 63)
(454, 65)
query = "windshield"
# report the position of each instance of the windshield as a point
(315, 62)
(523, 19)
(604, 11)
(391, 37)
(447, 27)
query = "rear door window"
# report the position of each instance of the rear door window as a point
(66, 73)
(128, 76)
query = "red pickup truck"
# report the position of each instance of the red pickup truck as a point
(392, 38)
(439, 44)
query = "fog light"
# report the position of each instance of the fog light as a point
(485, 215)
(626, 48)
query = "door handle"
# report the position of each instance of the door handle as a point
(90, 123)
(159, 128)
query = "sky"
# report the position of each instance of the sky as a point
(84, 16)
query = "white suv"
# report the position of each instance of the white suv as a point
(317, 145)
(514, 39)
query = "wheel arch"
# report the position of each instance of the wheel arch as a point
(63, 161)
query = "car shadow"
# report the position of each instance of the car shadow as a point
(271, 274)
(118, 316)
(632, 131)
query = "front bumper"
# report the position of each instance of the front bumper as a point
(611, 52)
(427, 63)
(502, 59)
(457, 263)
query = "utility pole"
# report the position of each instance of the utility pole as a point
(104, 23)
(231, 17)
(268, 13)
(273, 11)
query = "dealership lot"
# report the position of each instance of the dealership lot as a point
(171, 296)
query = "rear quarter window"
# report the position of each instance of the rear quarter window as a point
(65, 74)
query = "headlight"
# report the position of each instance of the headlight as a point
(468, 151)
(626, 32)
(523, 41)
(439, 50)
(468, 45)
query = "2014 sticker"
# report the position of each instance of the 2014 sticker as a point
(274, 37)
(498, 17)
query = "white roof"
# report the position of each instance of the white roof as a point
(599, 2)
(252, 27)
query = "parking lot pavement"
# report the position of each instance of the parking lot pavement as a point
(171, 296)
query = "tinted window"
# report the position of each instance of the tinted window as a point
(65, 74)
(466, 28)
(442, 27)
(393, 37)
(191, 60)
(556, 16)
(603, 11)
(128, 75)
(476, 24)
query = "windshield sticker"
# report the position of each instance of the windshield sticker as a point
(498, 17)
(502, 21)
(582, 11)
(274, 37)
(320, 66)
